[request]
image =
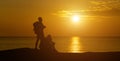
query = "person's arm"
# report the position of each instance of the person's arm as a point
(43, 26)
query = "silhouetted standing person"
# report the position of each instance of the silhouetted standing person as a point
(38, 29)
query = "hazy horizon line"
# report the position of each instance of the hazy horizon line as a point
(59, 36)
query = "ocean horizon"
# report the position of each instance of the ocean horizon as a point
(66, 44)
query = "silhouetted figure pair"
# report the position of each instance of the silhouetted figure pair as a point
(46, 43)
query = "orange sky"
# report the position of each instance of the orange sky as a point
(98, 17)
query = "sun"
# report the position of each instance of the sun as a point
(75, 18)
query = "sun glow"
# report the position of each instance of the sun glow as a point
(75, 18)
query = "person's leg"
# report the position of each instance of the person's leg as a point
(36, 44)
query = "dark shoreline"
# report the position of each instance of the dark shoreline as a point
(27, 54)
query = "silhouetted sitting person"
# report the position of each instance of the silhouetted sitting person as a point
(47, 45)
(38, 29)
(51, 44)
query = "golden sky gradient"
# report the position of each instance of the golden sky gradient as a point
(97, 17)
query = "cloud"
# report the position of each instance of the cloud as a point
(105, 5)
(97, 8)
(66, 13)
(89, 13)
(110, 12)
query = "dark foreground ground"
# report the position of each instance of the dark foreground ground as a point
(27, 54)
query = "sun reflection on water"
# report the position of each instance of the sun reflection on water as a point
(75, 46)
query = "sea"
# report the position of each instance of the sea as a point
(66, 44)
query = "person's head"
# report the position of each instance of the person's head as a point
(40, 19)
(49, 37)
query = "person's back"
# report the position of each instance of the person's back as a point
(39, 27)
(36, 27)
